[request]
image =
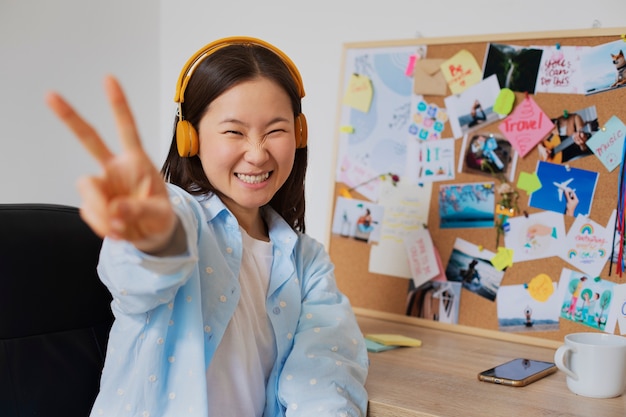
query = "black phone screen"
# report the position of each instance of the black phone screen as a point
(518, 370)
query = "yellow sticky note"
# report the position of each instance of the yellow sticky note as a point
(461, 71)
(540, 287)
(394, 339)
(502, 259)
(359, 93)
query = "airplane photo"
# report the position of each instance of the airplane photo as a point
(563, 186)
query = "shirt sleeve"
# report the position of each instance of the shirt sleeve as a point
(139, 282)
(326, 370)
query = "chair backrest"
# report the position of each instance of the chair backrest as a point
(55, 314)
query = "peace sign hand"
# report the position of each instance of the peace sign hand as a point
(129, 200)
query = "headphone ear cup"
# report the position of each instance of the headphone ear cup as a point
(186, 139)
(301, 131)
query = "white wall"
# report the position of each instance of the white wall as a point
(70, 44)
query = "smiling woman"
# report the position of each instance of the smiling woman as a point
(211, 268)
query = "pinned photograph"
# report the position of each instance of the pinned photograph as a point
(564, 189)
(466, 205)
(470, 266)
(586, 300)
(519, 311)
(357, 219)
(516, 67)
(486, 153)
(473, 108)
(603, 67)
(568, 140)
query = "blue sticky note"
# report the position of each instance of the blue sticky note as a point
(377, 347)
(608, 143)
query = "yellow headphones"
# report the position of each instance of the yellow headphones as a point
(186, 135)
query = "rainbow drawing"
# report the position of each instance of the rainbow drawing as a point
(571, 254)
(586, 229)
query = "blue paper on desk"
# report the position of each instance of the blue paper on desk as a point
(377, 347)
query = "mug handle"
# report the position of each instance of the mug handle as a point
(559, 360)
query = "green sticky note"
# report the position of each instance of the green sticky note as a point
(503, 259)
(504, 101)
(528, 182)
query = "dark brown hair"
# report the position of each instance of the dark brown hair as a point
(220, 71)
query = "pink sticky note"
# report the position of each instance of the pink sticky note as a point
(526, 126)
(410, 66)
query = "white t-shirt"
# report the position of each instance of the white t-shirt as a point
(238, 373)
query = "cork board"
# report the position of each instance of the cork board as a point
(386, 293)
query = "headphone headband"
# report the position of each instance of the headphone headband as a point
(186, 136)
(207, 50)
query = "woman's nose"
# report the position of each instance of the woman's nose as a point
(256, 152)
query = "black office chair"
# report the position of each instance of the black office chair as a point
(55, 314)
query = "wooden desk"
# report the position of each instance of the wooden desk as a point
(440, 377)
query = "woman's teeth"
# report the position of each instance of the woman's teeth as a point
(253, 179)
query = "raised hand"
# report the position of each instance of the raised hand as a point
(129, 200)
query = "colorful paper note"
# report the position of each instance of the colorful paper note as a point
(503, 259)
(588, 245)
(608, 143)
(540, 288)
(394, 339)
(528, 181)
(526, 126)
(461, 71)
(559, 70)
(359, 93)
(421, 254)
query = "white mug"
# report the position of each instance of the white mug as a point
(595, 364)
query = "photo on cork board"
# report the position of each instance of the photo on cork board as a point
(516, 67)
(473, 108)
(587, 300)
(488, 154)
(471, 266)
(567, 141)
(564, 189)
(466, 205)
(603, 67)
(518, 311)
(357, 219)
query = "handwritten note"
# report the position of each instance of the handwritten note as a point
(406, 210)
(559, 70)
(421, 254)
(608, 143)
(461, 71)
(526, 126)
(588, 245)
(359, 93)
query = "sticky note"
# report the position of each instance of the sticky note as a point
(608, 143)
(528, 182)
(394, 339)
(461, 71)
(359, 93)
(526, 126)
(540, 288)
(377, 347)
(504, 101)
(502, 259)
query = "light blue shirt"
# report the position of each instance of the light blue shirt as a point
(171, 313)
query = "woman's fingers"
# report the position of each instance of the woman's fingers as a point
(123, 116)
(83, 130)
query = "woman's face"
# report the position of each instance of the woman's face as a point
(247, 144)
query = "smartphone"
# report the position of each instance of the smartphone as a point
(518, 372)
